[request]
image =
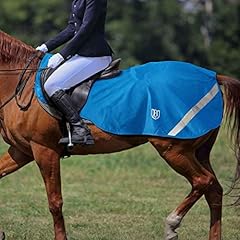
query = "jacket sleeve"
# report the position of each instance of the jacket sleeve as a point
(62, 37)
(90, 18)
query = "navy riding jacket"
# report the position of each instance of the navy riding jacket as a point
(85, 30)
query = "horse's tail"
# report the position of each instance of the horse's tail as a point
(232, 110)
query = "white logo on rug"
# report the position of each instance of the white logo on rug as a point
(155, 114)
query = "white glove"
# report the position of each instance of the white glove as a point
(55, 60)
(42, 48)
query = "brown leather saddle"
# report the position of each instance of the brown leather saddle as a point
(79, 93)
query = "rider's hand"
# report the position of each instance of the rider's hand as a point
(55, 60)
(42, 48)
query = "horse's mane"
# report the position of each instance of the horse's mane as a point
(13, 50)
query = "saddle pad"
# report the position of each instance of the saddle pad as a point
(167, 99)
(37, 86)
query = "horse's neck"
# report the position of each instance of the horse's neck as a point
(13, 51)
(8, 79)
(10, 73)
(14, 55)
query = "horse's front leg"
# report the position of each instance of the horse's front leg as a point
(2, 235)
(11, 161)
(48, 161)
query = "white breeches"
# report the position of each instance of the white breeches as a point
(74, 71)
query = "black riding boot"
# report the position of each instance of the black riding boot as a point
(80, 132)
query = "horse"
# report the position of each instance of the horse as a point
(33, 135)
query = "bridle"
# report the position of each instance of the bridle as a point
(25, 74)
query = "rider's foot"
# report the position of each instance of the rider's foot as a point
(80, 135)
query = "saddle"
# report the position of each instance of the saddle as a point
(79, 93)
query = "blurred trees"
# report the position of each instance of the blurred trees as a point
(204, 32)
(33, 21)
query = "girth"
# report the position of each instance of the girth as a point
(79, 93)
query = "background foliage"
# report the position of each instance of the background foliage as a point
(200, 31)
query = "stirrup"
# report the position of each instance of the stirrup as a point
(87, 140)
(70, 144)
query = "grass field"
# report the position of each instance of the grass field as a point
(123, 196)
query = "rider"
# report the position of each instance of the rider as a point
(85, 54)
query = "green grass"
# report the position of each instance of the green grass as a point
(123, 196)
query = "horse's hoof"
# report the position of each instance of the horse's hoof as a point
(2, 235)
(174, 237)
(171, 235)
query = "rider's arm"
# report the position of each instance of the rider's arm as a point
(90, 18)
(62, 37)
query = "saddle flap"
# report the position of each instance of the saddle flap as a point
(80, 93)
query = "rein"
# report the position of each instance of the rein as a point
(23, 79)
(15, 71)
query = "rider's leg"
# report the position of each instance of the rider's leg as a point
(74, 71)
(71, 73)
(80, 132)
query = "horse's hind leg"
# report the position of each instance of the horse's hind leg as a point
(48, 161)
(214, 192)
(180, 155)
(11, 161)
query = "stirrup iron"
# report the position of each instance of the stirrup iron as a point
(70, 144)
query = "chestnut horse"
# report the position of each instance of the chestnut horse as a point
(33, 135)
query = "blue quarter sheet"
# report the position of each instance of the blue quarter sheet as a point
(167, 99)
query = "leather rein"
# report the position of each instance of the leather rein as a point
(23, 79)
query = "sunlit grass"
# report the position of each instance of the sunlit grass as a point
(121, 196)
